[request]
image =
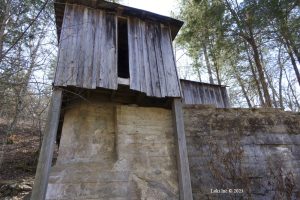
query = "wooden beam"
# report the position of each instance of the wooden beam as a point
(185, 188)
(123, 81)
(46, 154)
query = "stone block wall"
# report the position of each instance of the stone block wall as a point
(111, 151)
(257, 151)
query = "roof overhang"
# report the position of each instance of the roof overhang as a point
(121, 10)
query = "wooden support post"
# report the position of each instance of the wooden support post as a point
(46, 153)
(185, 188)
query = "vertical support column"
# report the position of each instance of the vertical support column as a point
(185, 188)
(46, 154)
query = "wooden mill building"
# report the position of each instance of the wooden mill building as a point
(116, 109)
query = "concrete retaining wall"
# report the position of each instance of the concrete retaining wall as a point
(113, 151)
(257, 151)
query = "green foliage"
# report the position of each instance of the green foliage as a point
(243, 39)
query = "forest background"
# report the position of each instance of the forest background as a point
(252, 46)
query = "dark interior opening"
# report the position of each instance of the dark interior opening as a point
(123, 62)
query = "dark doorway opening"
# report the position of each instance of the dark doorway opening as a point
(123, 61)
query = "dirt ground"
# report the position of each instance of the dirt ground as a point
(18, 160)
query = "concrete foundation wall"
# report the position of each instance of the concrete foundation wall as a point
(111, 151)
(257, 151)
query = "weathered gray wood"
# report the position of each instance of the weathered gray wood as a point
(98, 54)
(225, 98)
(142, 61)
(88, 50)
(220, 99)
(202, 93)
(123, 81)
(68, 43)
(159, 60)
(147, 71)
(63, 48)
(110, 64)
(172, 80)
(133, 54)
(71, 70)
(185, 188)
(152, 61)
(108, 77)
(212, 96)
(207, 95)
(80, 47)
(196, 96)
(46, 154)
(89, 33)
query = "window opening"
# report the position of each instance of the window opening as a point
(123, 60)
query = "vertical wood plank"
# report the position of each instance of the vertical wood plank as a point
(212, 96)
(63, 47)
(71, 34)
(219, 97)
(147, 81)
(72, 65)
(112, 47)
(159, 60)
(225, 97)
(172, 80)
(89, 40)
(142, 57)
(98, 54)
(185, 188)
(200, 90)
(133, 54)
(196, 95)
(152, 61)
(108, 63)
(46, 154)
(80, 51)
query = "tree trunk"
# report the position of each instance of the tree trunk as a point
(293, 61)
(292, 91)
(249, 37)
(261, 75)
(23, 89)
(270, 82)
(211, 80)
(280, 79)
(217, 67)
(240, 81)
(255, 78)
(3, 26)
(290, 43)
(296, 52)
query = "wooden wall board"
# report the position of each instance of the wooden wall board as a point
(47, 149)
(202, 93)
(151, 60)
(185, 188)
(87, 55)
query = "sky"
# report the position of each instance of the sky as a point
(162, 7)
(165, 7)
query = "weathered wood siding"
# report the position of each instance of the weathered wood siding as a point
(87, 55)
(203, 93)
(151, 61)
